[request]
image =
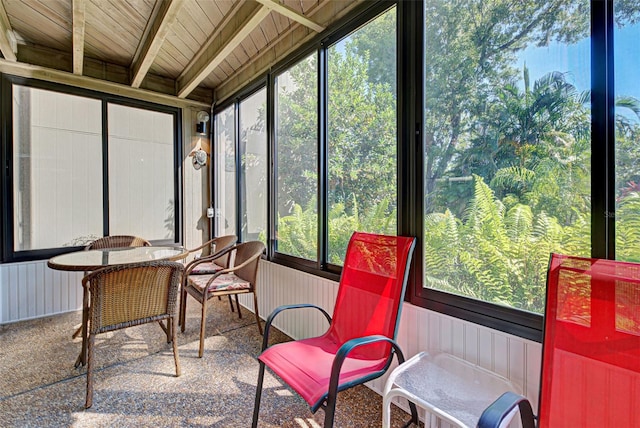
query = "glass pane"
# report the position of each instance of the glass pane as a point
(57, 186)
(627, 126)
(253, 167)
(297, 160)
(141, 173)
(225, 172)
(362, 134)
(507, 144)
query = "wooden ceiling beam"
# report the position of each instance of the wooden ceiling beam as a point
(292, 14)
(216, 33)
(286, 43)
(162, 17)
(8, 46)
(245, 20)
(22, 69)
(79, 7)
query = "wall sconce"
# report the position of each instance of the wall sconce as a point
(202, 119)
(199, 157)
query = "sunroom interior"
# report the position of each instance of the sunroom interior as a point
(495, 132)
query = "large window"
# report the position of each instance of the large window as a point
(241, 175)
(141, 181)
(84, 165)
(362, 134)
(296, 125)
(57, 163)
(353, 140)
(225, 172)
(253, 167)
(507, 147)
(505, 135)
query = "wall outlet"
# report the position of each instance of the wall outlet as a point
(209, 212)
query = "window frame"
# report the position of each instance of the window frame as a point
(242, 190)
(410, 67)
(7, 251)
(410, 72)
(507, 319)
(272, 135)
(234, 102)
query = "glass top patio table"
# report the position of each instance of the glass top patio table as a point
(97, 259)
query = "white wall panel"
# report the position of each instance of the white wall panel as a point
(32, 290)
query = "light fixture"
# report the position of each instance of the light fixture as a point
(202, 119)
(199, 158)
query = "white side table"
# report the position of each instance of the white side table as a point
(447, 387)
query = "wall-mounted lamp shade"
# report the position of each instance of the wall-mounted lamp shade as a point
(202, 119)
(202, 116)
(199, 158)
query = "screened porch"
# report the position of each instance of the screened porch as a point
(496, 133)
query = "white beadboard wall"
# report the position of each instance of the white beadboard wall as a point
(32, 290)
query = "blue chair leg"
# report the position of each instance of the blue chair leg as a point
(330, 409)
(256, 406)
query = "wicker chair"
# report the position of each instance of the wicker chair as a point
(211, 259)
(213, 246)
(212, 256)
(127, 295)
(239, 279)
(116, 241)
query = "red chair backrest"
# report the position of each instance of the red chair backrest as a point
(591, 348)
(371, 291)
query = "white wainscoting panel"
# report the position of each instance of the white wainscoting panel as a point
(32, 290)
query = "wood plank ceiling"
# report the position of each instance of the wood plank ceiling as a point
(198, 49)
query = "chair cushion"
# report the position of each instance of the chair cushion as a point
(227, 281)
(305, 365)
(206, 268)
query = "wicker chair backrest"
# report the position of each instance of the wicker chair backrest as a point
(127, 295)
(118, 241)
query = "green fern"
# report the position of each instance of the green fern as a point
(628, 228)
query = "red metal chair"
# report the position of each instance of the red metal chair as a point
(591, 348)
(360, 342)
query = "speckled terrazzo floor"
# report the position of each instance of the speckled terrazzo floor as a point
(135, 383)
